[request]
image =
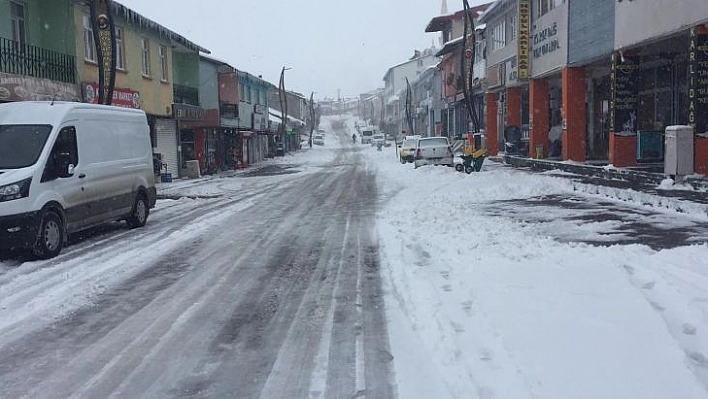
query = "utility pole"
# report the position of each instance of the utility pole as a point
(312, 117)
(283, 107)
(467, 57)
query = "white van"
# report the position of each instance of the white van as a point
(65, 167)
(367, 136)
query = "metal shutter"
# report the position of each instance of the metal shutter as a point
(166, 131)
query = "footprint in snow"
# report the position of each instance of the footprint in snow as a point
(689, 329)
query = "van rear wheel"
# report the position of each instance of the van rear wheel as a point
(139, 214)
(50, 237)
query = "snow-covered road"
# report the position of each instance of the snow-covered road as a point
(339, 272)
(264, 284)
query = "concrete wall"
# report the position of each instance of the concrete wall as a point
(637, 21)
(592, 27)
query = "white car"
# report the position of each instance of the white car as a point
(318, 140)
(433, 151)
(378, 139)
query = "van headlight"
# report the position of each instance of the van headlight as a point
(15, 191)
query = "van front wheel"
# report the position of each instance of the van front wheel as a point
(50, 237)
(139, 214)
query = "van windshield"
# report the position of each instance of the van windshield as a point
(20, 145)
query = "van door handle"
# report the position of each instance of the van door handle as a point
(82, 175)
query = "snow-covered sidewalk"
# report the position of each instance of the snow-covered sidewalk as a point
(481, 304)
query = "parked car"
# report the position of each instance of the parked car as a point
(66, 167)
(433, 151)
(318, 140)
(377, 139)
(406, 151)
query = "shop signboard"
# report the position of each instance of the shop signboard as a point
(186, 112)
(24, 88)
(259, 109)
(523, 39)
(125, 98)
(549, 41)
(624, 81)
(698, 81)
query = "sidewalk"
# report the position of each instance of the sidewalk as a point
(694, 189)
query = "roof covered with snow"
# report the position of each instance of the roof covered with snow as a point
(146, 23)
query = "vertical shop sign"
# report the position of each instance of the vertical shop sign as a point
(105, 40)
(523, 39)
(625, 94)
(698, 81)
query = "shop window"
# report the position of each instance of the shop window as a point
(229, 111)
(187, 144)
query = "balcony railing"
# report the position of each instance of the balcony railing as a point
(23, 59)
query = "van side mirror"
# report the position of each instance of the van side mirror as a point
(64, 167)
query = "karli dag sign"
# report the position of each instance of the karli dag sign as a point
(523, 41)
(698, 80)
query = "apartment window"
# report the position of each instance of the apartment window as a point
(120, 49)
(544, 6)
(512, 28)
(163, 63)
(248, 94)
(89, 47)
(17, 19)
(145, 48)
(480, 50)
(499, 36)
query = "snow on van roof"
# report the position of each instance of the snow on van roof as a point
(47, 112)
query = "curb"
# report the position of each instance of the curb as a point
(634, 176)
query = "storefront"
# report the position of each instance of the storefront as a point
(166, 144)
(650, 88)
(555, 90)
(186, 148)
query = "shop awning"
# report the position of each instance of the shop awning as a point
(276, 116)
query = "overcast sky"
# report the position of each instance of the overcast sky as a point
(330, 45)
